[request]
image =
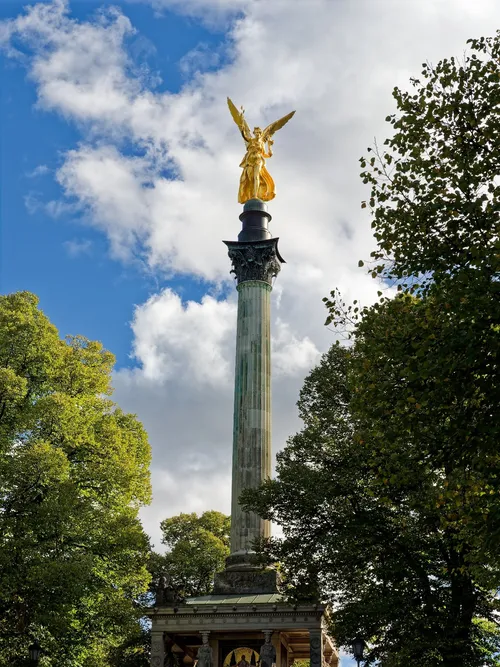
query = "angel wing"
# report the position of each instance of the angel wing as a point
(277, 125)
(239, 119)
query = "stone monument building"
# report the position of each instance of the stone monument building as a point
(245, 623)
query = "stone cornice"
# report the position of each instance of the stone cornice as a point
(243, 621)
(190, 610)
(257, 614)
(240, 617)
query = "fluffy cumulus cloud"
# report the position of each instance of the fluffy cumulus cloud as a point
(186, 342)
(173, 198)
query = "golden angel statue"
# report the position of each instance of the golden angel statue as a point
(256, 182)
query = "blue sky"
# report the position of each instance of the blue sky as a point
(60, 258)
(119, 177)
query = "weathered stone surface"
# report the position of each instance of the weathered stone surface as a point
(246, 582)
(205, 655)
(316, 648)
(157, 648)
(252, 410)
(239, 561)
(267, 651)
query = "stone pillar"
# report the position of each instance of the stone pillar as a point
(157, 649)
(252, 409)
(256, 261)
(316, 648)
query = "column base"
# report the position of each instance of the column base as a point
(246, 581)
(243, 560)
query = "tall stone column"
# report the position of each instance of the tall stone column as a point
(256, 261)
(252, 409)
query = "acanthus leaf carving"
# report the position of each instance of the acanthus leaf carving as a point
(255, 261)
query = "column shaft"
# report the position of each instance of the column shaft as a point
(252, 409)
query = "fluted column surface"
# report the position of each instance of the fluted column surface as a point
(252, 409)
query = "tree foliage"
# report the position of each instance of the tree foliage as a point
(435, 194)
(73, 474)
(197, 548)
(389, 495)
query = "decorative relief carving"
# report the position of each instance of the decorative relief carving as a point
(169, 619)
(184, 618)
(157, 644)
(157, 650)
(316, 657)
(255, 261)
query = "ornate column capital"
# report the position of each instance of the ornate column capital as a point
(255, 260)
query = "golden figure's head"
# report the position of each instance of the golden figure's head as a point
(257, 132)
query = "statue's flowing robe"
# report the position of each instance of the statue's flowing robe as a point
(255, 159)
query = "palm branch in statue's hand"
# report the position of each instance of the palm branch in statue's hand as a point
(239, 119)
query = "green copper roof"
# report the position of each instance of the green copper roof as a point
(262, 598)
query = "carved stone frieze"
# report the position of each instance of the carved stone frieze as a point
(240, 616)
(246, 582)
(256, 260)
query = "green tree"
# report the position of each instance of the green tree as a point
(197, 548)
(73, 474)
(135, 651)
(389, 496)
(373, 525)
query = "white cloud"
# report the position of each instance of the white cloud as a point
(187, 342)
(290, 355)
(175, 199)
(56, 208)
(32, 202)
(211, 12)
(40, 170)
(199, 59)
(76, 247)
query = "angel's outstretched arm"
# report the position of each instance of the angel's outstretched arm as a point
(269, 153)
(245, 133)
